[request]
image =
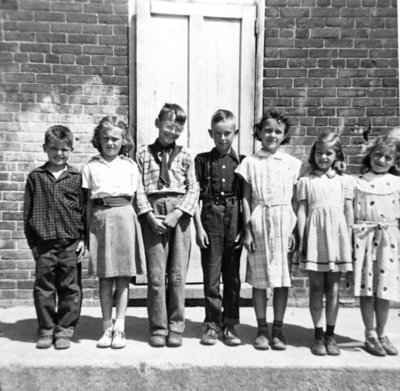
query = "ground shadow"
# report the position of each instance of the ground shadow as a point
(136, 328)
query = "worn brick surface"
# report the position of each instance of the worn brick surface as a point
(327, 64)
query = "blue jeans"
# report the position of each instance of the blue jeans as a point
(220, 258)
(57, 290)
(167, 262)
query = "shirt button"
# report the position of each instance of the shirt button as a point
(222, 193)
(223, 179)
(223, 166)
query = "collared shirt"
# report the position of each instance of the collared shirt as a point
(119, 177)
(182, 175)
(216, 174)
(53, 208)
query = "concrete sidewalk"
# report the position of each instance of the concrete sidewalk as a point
(193, 366)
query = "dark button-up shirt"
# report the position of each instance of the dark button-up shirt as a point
(53, 208)
(216, 174)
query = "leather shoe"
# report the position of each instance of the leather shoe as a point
(229, 336)
(319, 348)
(62, 343)
(157, 341)
(278, 342)
(388, 346)
(174, 339)
(209, 337)
(261, 341)
(374, 347)
(44, 342)
(331, 346)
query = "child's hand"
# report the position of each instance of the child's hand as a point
(292, 243)
(349, 278)
(171, 219)
(202, 238)
(248, 242)
(156, 224)
(35, 253)
(80, 250)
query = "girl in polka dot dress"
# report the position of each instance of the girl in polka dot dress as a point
(376, 242)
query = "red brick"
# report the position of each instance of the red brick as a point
(82, 18)
(66, 7)
(66, 28)
(98, 8)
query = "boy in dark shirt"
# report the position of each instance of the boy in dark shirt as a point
(218, 230)
(54, 229)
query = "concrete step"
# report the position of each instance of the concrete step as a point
(193, 366)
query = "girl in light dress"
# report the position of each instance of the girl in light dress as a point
(115, 241)
(269, 219)
(376, 241)
(324, 219)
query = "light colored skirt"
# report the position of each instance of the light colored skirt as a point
(116, 243)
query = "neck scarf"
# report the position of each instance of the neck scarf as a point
(158, 149)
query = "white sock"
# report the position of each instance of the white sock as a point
(371, 334)
(119, 324)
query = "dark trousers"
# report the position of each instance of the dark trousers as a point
(221, 222)
(57, 291)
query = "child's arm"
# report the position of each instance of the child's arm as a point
(248, 241)
(349, 214)
(201, 234)
(301, 224)
(88, 215)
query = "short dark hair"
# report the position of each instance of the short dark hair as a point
(173, 108)
(222, 115)
(387, 142)
(59, 133)
(278, 117)
(109, 122)
(332, 140)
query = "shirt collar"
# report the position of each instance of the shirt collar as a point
(232, 153)
(69, 170)
(329, 174)
(277, 155)
(101, 159)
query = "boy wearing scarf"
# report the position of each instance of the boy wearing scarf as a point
(166, 200)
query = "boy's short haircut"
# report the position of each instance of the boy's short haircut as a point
(222, 115)
(59, 133)
(172, 108)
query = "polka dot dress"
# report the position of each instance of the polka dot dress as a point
(377, 236)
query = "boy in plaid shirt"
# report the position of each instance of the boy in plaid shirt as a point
(54, 229)
(167, 200)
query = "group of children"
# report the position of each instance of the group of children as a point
(130, 212)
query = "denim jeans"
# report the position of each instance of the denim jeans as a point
(167, 259)
(221, 222)
(57, 290)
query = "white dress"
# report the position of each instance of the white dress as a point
(327, 240)
(272, 178)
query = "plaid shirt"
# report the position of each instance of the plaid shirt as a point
(53, 208)
(182, 175)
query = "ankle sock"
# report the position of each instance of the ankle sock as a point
(119, 324)
(330, 330)
(277, 327)
(262, 322)
(371, 333)
(318, 332)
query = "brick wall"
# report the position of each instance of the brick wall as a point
(332, 64)
(62, 62)
(328, 63)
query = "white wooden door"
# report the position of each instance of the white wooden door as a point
(201, 55)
